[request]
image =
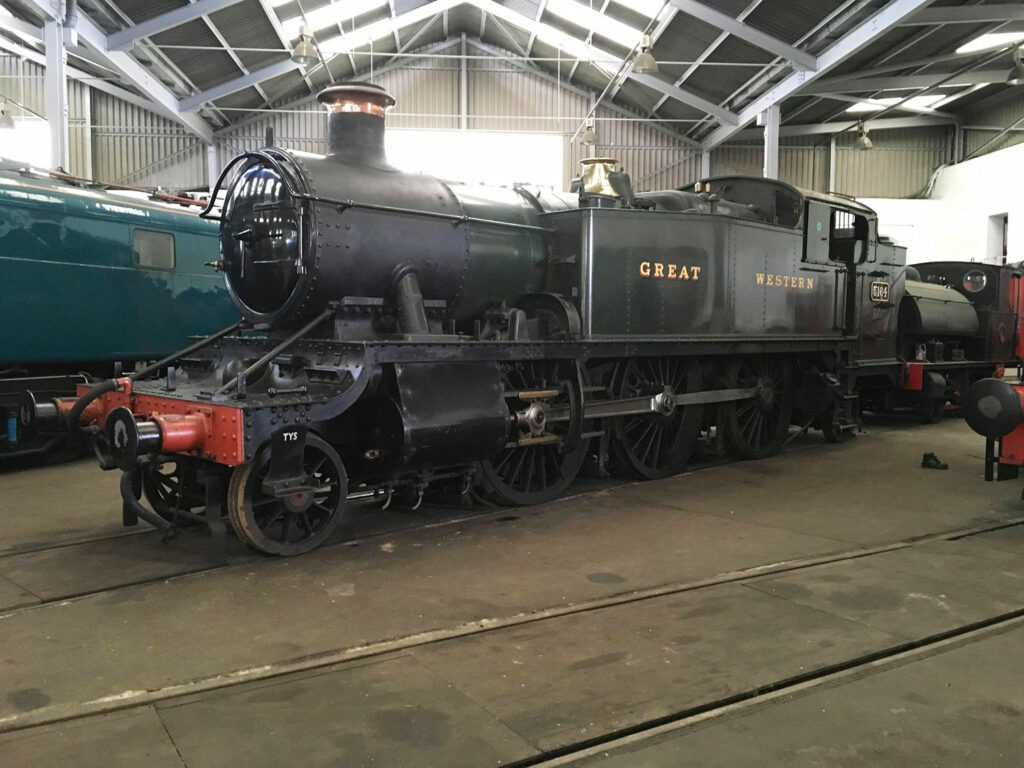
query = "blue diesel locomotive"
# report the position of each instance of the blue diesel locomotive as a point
(93, 279)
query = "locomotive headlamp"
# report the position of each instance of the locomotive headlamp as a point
(975, 281)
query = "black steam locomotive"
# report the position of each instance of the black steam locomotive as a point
(399, 331)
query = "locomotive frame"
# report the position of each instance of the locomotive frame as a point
(401, 331)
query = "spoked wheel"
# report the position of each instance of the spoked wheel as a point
(551, 452)
(171, 485)
(654, 445)
(831, 426)
(757, 427)
(296, 524)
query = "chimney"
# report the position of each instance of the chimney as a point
(355, 122)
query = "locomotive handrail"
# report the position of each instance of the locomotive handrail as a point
(455, 218)
(195, 346)
(243, 375)
(260, 155)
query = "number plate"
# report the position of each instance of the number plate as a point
(879, 291)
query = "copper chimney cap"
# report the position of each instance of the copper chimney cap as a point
(366, 98)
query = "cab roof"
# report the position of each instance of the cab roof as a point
(832, 199)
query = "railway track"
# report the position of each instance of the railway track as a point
(645, 731)
(367, 526)
(420, 640)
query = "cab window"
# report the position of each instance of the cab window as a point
(153, 250)
(848, 235)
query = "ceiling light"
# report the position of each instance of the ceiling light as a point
(991, 40)
(645, 63)
(1016, 76)
(304, 54)
(862, 142)
(589, 136)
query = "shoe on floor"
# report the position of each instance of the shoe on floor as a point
(931, 461)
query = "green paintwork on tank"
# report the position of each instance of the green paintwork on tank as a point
(70, 286)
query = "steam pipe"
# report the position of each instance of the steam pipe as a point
(412, 316)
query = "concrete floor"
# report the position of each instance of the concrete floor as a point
(589, 662)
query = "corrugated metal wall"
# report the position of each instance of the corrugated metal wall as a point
(136, 147)
(993, 119)
(108, 139)
(22, 81)
(803, 162)
(899, 165)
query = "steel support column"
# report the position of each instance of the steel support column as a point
(56, 96)
(213, 163)
(463, 88)
(771, 118)
(705, 164)
(832, 164)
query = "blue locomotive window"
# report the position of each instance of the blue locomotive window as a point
(153, 250)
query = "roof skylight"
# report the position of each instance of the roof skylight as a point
(991, 40)
(605, 26)
(648, 8)
(330, 15)
(877, 105)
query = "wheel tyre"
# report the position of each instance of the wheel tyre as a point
(683, 428)
(745, 372)
(244, 487)
(563, 461)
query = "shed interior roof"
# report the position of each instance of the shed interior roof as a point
(231, 57)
